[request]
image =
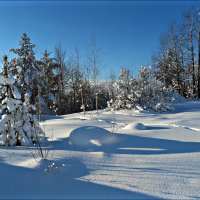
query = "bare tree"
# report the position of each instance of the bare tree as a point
(75, 79)
(94, 60)
(176, 57)
(196, 11)
(189, 28)
(198, 64)
(95, 66)
(60, 56)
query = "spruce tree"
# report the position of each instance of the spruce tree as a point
(26, 69)
(18, 126)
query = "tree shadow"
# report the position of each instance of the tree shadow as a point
(155, 128)
(131, 144)
(192, 106)
(50, 117)
(66, 183)
(144, 145)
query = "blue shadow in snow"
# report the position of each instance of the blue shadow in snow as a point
(156, 128)
(27, 183)
(131, 144)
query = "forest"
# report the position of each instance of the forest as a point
(60, 84)
(68, 132)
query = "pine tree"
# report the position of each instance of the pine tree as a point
(18, 126)
(26, 68)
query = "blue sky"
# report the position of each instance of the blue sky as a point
(127, 32)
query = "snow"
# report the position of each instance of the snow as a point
(10, 80)
(10, 106)
(5, 119)
(19, 69)
(91, 137)
(138, 126)
(16, 93)
(158, 162)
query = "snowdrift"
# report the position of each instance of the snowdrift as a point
(138, 126)
(91, 137)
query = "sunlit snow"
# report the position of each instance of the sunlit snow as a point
(89, 158)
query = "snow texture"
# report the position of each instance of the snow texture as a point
(91, 136)
(160, 162)
(16, 93)
(133, 126)
(10, 80)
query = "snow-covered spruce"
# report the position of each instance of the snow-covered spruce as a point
(30, 77)
(18, 126)
(132, 93)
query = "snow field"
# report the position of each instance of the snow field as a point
(154, 156)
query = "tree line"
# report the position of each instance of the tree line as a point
(177, 63)
(59, 84)
(175, 70)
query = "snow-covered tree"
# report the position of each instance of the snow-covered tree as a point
(18, 126)
(127, 92)
(140, 93)
(122, 87)
(25, 68)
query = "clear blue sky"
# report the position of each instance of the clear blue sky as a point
(127, 32)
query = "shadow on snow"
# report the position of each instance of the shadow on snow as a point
(131, 144)
(26, 183)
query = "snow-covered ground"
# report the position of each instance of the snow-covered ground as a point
(119, 155)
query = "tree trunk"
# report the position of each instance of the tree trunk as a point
(198, 64)
(97, 104)
(192, 63)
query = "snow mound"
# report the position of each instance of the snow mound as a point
(138, 126)
(91, 137)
